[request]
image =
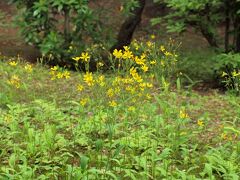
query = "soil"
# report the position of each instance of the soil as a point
(11, 44)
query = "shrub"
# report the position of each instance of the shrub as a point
(228, 70)
(60, 29)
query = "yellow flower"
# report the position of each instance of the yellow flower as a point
(162, 48)
(127, 54)
(66, 74)
(14, 81)
(135, 75)
(117, 53)
(149, 85)
(126, 48)
(200, 123)
(13, 63)
(131, 108)
(167, 53)
(80, 87)
(183, 114)
(142, 86)
(112, 103)
(76, 58)
(110, 92)
(153, 62)
(88, 79)
(135, 44)
(234, 73)
(28, 68)
(144, 68)
(84, 101)
(85, 56)
(224, 74)
(101, 80)
(224, 136)
(153, 36)
(148, 96)
(139, 61)
(149, 44)
(59, 75)
(55, 68)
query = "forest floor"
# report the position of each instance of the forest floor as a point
(58, 126)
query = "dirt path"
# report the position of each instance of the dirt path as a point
(11, 44)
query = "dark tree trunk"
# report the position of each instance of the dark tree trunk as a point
(209, 36)
(227, 25)
(128, 27)
(237, 34)
(235, 6)
(66, 24)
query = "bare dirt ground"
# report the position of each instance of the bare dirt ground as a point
(11, 44)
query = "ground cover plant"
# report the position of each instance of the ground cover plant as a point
(133, 122)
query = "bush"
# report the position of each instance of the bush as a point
(60, 29)
(228, 71)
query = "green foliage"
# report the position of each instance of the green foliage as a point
(228, 70)
(188, 11)
(47, 131)
(55, 26)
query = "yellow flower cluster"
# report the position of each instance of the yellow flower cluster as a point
(13, 63)
(85, 57)
(57, 73)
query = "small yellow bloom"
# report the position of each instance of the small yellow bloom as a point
(144, 68)
(55, 68)
(183, 114)
(110, 92)
(28, 68)
(153, 36)
(149, 44)
(59, 75)
(13, 63)
(100, 80)
(66, 74)
(76, 58)
(162, 48)
(14, 81)
(88, 79)
(234, 73)
(131, 108)
(167, 53)
(127, 54)
(84, 101)
(80, 87)
(224, 74)
(224, 136)
(153, 62)
(200, 123)
(117, 53)
(85, 57)
(112, 103)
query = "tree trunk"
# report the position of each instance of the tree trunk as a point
(210, 37)
(227, 25)
(128, 27)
